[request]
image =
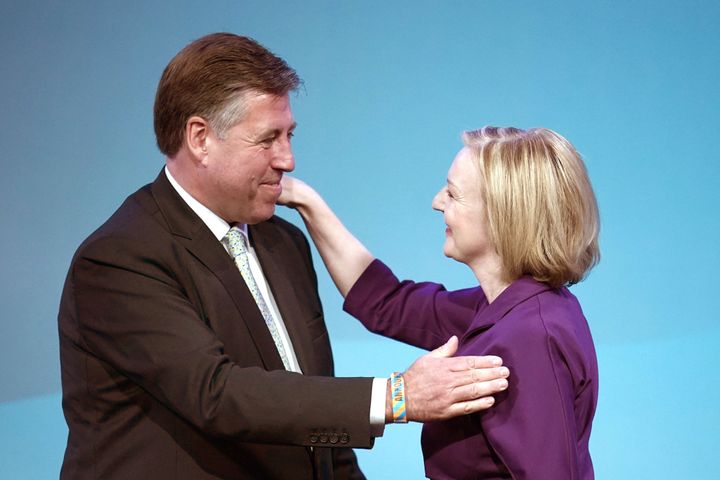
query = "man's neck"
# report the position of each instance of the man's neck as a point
(217, 225)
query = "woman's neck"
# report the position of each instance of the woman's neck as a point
(489, 273)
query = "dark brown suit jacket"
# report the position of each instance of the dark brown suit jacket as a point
(169, 371)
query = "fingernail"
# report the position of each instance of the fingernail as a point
(502, 384)
(504, 372)
(497, 361)
(489, 401)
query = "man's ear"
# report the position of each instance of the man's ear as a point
(197, 130)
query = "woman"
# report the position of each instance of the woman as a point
(521, 213)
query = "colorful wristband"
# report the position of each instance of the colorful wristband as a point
(398, 398)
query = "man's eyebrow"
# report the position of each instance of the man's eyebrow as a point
(276, 131)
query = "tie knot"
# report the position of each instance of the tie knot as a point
(236, 242)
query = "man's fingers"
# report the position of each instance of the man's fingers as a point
(459, 364)
(468, 377)
(478, 390)
(439, 387)
(472, 406)
(483, 375)
(446, 350)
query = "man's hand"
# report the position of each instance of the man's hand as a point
(439, 386)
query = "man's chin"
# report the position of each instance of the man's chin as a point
(261, 215)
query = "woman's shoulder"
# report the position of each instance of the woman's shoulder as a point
(542, 313)
(548, 325)
(559, 304)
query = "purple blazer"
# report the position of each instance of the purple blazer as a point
(540, 426)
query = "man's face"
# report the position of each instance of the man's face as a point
(243, 170)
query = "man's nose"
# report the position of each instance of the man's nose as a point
(284, 159)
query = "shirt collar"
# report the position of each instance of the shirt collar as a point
(217, 225)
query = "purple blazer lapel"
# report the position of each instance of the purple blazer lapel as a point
(518, 291)
(190, 231)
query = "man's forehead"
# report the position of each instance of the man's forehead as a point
(269, 111)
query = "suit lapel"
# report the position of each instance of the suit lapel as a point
(268, 249)
(190, 230)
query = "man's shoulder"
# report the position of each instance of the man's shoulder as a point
(277, 227)
(281, 237)
(136, 219)
(281, 224)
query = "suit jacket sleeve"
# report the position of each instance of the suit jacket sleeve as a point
(344, 461)
(423, 314)
(132, 312)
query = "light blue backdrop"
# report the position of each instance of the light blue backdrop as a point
(389, 86)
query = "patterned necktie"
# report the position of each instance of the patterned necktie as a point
(236, 244)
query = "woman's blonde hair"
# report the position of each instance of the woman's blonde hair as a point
(542, 213)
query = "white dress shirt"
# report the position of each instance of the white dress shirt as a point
(220, 228)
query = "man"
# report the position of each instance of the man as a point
(192, 338)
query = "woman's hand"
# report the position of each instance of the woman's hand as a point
(294, 192)
(344, 256)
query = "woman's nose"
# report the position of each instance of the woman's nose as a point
(438, 202)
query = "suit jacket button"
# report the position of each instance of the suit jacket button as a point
(313, 438)
(344, 438)
(323, 439)
(334, 438)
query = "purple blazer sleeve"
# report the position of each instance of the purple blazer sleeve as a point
(423, 314)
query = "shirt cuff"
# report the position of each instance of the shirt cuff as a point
(377, 407)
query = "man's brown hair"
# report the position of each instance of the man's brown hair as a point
(208, 78)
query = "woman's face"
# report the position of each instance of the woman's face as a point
(462, 203)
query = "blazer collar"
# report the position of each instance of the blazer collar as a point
(197, 238)
(518, 291)
(180, 218)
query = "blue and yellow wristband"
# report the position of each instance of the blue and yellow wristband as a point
(397, 382)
